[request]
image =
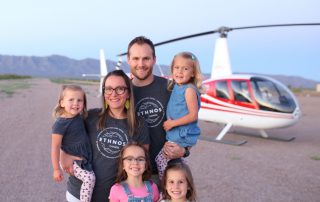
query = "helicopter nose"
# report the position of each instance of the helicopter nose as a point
(297, 113)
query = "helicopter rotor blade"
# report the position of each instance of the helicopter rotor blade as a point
(276, 25)
(186, 37)
(223, 30)
(178, 39)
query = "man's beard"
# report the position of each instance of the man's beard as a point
(144, 77)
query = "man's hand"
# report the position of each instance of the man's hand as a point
(173, 150)
(66, 162)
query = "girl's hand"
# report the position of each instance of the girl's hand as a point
(168, 124)
(57, 175)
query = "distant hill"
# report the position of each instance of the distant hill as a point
(60, 66)
(295, 81)
(54, 66)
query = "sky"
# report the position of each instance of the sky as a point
(78, 29)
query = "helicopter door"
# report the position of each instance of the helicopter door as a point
(241, 94)
(222, 91)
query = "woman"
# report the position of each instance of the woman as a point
(109, 129)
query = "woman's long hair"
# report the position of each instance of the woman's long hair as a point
(131, 116)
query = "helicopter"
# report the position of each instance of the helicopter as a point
(245, 100)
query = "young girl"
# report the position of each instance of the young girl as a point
(183, 106)
(178, 184)
(134, 170)
(69, 134)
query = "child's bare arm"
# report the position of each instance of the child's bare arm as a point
(55, 156)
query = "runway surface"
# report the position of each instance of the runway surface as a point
(260, 170)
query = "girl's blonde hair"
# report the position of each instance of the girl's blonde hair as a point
(131, 114)
(180, 166)
(197, 79)
(58, 110)
(122, 175)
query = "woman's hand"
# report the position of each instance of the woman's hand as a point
(66, 162)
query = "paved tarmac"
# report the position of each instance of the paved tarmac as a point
(260, 170)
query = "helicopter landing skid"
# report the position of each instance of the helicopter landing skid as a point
(264, 135)
(282, 139)
(229, 142)
(219, 138)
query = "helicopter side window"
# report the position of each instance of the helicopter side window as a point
(240, 91)
(222, 90)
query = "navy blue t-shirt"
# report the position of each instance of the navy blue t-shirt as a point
(151, 104)
(75, 140)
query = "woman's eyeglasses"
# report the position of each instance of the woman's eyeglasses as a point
(131, 159)
(119, 90)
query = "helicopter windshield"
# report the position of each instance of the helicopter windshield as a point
(271, 96)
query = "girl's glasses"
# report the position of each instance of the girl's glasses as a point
(119, 90)
(131, 159)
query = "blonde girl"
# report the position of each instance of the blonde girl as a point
(183, 106)
(69, 135)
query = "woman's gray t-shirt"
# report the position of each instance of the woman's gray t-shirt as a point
(106, 145)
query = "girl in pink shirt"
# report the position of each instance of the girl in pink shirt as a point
(134, 171)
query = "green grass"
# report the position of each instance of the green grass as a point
(75, 81)
(13, 76)
(9, 88)
(234, 157)
(10, 83)
(315, 157)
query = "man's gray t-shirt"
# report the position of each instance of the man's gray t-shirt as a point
(151, 104)
(106, 145)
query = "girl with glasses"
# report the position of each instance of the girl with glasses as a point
(134, 171)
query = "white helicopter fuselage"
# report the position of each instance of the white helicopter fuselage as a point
(240, 116)
(254, 111)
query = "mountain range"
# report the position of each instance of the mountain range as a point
(57, 66)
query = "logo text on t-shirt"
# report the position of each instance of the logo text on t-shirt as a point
(151, 110)
(110, 141)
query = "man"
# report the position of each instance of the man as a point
(151, 97)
